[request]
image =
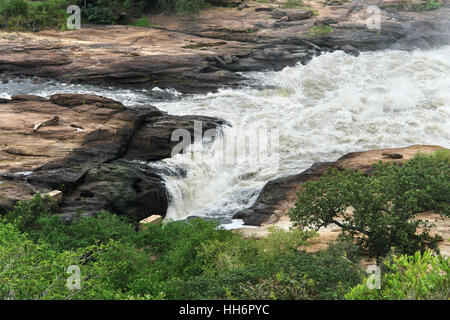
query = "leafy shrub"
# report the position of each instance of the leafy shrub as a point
(417, 277)
(33, 15)
(143, 23)
(83, 232)
(26, 214)
(13, 7)
(37, 271)
(293, 4)
(237, 253)
(318, 31)
(181, 7)
(384, 204)
(334, 271)
(279, 287)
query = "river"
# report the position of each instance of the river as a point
(335, 104)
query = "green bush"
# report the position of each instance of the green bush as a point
(83, 232)
(181, 7)
(417, 277)
(26, 214)
(33, 15)
(175, 260)
(279, 287)
(318, 31)
(37, 271)
(384, 203)
(143, 23)
(102, 11)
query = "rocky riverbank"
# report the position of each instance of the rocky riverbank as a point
(82, 145)
(207, 52)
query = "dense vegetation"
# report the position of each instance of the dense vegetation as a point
(37, 15)
(178, 260)
(417, 277)
(199, 260)
(377, 211)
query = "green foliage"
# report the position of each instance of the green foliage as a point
(102, 11)
(293, 4)
(35, 218)
(429, 5)
(37, 271)
(279, 287)
(318, 31)
(27, 213)
(334, 271)
(416, 277)
(112, 11)
(181, 7)
(33, 15)
(13, 7)
(180, 260)
(384, 204)
(143, 23)
(85, 231)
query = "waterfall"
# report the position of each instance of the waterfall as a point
(335, 104)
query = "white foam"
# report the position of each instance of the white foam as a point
(334, 105)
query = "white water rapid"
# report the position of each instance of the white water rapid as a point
(335, 104)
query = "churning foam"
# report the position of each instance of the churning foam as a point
(335, 104)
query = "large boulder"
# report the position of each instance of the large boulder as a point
(11, 192)
(153, 141)
(86, 132)
(298, 14)
(72, 143)
(275, 192)
(120, 187)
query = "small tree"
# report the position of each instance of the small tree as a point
(377, 211)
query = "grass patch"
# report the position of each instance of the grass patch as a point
(417, 7)
(293, 4)
(318, 31)
(143, 23)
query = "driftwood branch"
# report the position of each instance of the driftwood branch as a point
(54, 120)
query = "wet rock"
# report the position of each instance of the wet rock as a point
(153, 140)
(80, 153)
(227, 3)
(71, 100)
(391, 155)
(25, 97)
(295, 15)
(131, 189)
(278, 14)
(264, 9)
(168, 57)
(11, 192)
(274, 192)
(58, 156)
(350, 50)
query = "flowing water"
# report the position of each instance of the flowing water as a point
(335, 104)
